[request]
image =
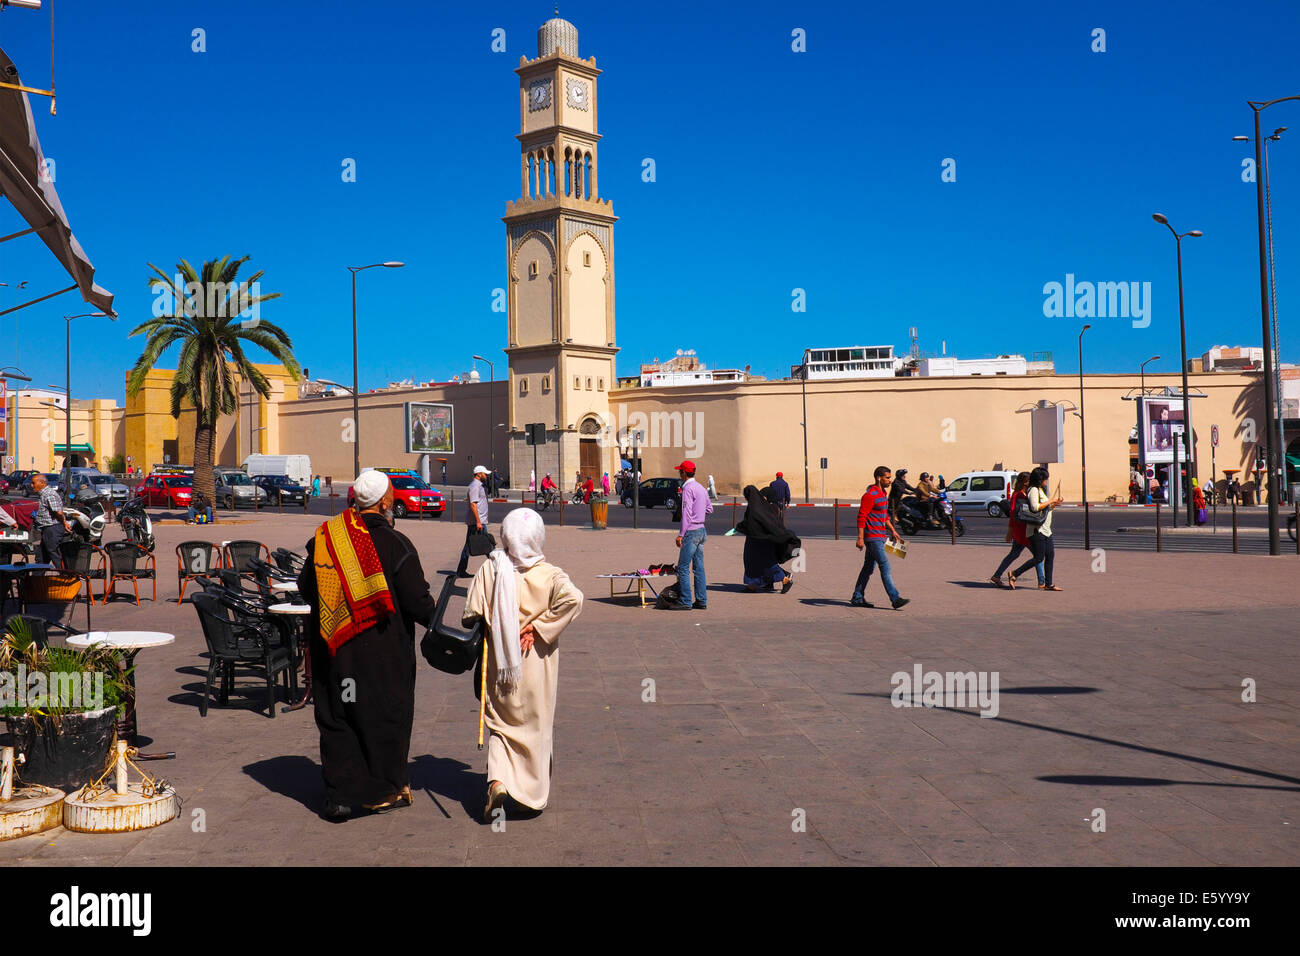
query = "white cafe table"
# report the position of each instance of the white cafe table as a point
(298, 611)
(291, 586)
(131, 643)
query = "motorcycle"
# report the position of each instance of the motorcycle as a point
(578, 497)
(86, 516)
(910, 519)
(136, 524)
(547, 498)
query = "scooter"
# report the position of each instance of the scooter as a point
(136, 524)
(86, 516)
(910, 520)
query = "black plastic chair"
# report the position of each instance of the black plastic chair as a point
(195, 560)
(39, 627)
(127, 561)
(233, 642)
(87, 562)
(239, 555)
(289, 562)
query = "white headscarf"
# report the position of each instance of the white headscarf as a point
(523, 534)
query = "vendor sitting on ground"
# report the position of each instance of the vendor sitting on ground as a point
(767, 542)
(199, 505)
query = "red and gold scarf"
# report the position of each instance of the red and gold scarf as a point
(350, 582)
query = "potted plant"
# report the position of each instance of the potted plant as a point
(60, 706)
(599, 511)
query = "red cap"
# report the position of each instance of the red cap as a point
(687, 466)
(780, 474)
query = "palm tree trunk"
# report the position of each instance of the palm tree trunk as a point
(204, 442)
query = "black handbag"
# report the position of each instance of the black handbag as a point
(1026, 514)
(481, 543)
(451, 650)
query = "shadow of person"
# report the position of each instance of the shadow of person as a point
(293, 776)
(452, 779)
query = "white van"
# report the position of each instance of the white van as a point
(988, 490)
(297, 468)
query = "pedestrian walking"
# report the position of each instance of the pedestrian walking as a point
(1017, 533)
(875, 527)
(604, 484)
(1198, 502)
(767, 542)
(1040, 540)
(712, 489)
(525, 603)
(315, 487)
(48, 521)
(367, 590)
(695, 505)
(532, 480)
(476, 515)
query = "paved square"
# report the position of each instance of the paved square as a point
(1122, 694)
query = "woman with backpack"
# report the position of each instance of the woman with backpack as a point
(1036, 512)
(1017, 533)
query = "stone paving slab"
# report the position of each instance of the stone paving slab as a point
(772, 737)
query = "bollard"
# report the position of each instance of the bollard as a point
(1234, 525)
(952, 525)
(1087, 529)
(837, 519)
(1297, 527)
(733, 511)
(561, 497)
(279, 503)
(1158, 548)
(334, 504)
(451, 505)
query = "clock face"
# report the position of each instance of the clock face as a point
(539, 95)
(577, 92)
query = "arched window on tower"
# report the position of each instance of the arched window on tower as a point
(568, 171)
(550, 172)
(586, 175)
(532, 176)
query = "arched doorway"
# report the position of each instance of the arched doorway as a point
(589, 462)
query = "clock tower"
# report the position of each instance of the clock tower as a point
(560, 270)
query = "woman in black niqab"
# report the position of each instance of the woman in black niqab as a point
(767, 542)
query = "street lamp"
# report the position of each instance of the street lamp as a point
(1188, 450)
(1274, 544)
(7, 373)
(1143, 373)
(1083, 448)
(803, 387)
(356, 407)
(67, 401)
(1272, 283)
(492, 445)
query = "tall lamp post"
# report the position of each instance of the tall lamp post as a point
(7, 373)
(1188, 435)
(1272, 285)
(67, 400)
(1083, 448)
(1274, 544)
(492, 445)
(1142, 372)
(803, 387)
(356, 406)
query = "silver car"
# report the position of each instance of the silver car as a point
(234, 488)
(104, 484)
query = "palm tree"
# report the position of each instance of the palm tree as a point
(208, 327)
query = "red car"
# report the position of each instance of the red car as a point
(412, 495)
(166, 491)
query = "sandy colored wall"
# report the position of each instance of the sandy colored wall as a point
(746, 433)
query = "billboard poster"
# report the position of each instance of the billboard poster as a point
(1160, 426)
(429, 428)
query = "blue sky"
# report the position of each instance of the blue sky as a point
(776, 171)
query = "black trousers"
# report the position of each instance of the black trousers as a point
(464, 552)
(47, 546)
(1044, 549)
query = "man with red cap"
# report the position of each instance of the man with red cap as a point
(782, 492)
(690, 562)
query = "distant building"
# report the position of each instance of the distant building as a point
(1223, 358)
(855, 361)
(687, 369)
(950, 365)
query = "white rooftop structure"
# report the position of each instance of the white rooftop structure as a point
(855, 361)
(950, 366)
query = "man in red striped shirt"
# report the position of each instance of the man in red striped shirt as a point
(874, 528)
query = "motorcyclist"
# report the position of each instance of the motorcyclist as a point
(897, 491)
(925, 498)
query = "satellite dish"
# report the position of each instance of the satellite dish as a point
(679, 351)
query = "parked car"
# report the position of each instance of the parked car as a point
(411, 495)
(655, 491)
(235, 488)
(15, 478)
(104, 484)
(166, 490)
(987, 490)
(55, 481)
(280, 489)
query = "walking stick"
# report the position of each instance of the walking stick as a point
(482, 696)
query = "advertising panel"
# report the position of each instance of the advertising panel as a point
(429, 428)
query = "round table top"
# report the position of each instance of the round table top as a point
(284, 585)
(290, 609)
(123, 640)
(15, 568)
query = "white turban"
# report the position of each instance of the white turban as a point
(369, 488)
(523, 534)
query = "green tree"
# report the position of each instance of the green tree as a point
(210, 326)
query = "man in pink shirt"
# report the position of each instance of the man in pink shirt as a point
(695, 505)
